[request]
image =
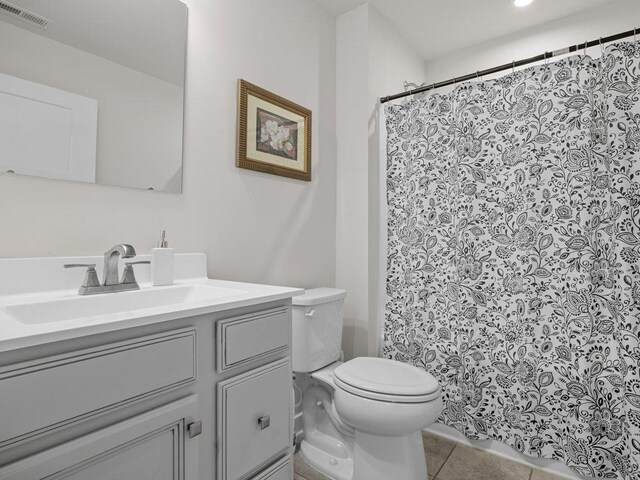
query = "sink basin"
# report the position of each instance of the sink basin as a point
(63, 309)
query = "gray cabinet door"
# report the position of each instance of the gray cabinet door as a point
(254, 420)
(152, 446)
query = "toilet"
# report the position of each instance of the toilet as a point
(362, 419)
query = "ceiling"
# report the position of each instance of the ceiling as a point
(438, 27)
(146, 35)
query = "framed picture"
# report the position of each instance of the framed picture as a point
(274, 134)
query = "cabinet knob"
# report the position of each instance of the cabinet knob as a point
(194, 428)
(264, 422)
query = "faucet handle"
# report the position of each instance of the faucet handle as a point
(139, 262)
(91, 277)
(128, 276)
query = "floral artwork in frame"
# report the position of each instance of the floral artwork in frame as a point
(274, 134)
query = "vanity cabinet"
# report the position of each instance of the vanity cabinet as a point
(205, 397)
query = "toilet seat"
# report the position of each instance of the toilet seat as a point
(386, 380)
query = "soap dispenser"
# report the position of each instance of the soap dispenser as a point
(162, 263)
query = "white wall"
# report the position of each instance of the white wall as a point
(611, 18)
(352, 238)
(373, 61)
(139, 116)
(254, 227)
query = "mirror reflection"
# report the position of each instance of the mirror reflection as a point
(92, 91)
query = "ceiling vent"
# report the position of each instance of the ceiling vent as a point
(22, 14)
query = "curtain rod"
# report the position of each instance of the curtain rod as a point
(512, 65)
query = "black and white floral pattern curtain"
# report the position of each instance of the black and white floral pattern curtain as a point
(513, 247)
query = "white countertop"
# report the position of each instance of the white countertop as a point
(15, 334)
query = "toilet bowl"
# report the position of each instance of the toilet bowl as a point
(362, 419)
(385, 397)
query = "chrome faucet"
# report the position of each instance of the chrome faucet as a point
(111, 284)
(110, 276)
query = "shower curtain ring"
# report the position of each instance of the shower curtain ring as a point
(513, 67)
(585, 48)
(634, 34)
(601, 47)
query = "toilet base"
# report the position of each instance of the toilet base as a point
(334, 467)
(375, 458)
(381, 458)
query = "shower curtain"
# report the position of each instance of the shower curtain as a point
(513, 271)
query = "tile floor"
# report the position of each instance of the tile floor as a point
(448, 460)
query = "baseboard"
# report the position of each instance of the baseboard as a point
(497, 448)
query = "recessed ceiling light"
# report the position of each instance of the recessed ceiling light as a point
(522, 3)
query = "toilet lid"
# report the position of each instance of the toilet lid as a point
(387, 380)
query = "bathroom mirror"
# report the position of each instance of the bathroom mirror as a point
(92, 91)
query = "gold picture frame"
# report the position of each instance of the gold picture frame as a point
(274, 134)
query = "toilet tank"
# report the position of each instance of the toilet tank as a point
(317, 328)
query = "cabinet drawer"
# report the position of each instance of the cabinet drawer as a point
(251, 337)
(245, 445)
(282, 470)
(53, 392)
